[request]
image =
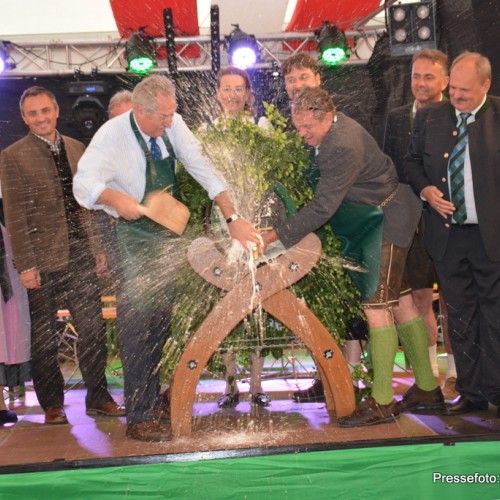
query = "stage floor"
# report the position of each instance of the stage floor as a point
(244, 431)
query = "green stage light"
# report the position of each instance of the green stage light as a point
(140, 53)
(332, 44)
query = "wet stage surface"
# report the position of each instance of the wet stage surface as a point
(283, 427)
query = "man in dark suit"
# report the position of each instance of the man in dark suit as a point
(51, 242)
(463, 236)
(429, 78)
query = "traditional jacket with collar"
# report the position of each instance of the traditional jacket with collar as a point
(354, 169)
(427, 165)
(34, 204)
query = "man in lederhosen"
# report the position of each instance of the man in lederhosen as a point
(358, 193)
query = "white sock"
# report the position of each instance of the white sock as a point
(433, 359)
(451, 371)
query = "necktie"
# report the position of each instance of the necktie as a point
(155, 149)
(456, 170)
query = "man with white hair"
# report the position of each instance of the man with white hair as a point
(130, 156)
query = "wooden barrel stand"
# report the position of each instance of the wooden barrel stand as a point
(268, 289)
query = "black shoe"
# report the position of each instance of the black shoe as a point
(228, 400)
(462, 405)
(369, 412)
(260, 399)
(315, 393)
(7, 417)
(416, 400)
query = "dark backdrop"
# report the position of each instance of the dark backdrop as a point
(379, 86)
(195, 92)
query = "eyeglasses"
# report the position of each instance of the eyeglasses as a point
(235, 90)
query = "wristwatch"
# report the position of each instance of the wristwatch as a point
(233, 218)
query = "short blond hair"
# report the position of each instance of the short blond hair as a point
(146, 92)
(121, 97)
(313, 99)
(482, 63)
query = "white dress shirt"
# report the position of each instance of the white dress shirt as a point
(114, 159)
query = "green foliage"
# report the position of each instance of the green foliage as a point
(194, 197)
(250, 159)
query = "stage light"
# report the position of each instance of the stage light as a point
(243, 49)
(88, 111)
(168, 21)
(140, 52)
(4, 58)
(412, 27)
(215, 38)
(88, 114)
(332, 44)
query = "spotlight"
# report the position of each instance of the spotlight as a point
(243, 49)
(88, 110)
(412, 27)
(89, 114)
(140, 52)
(332, 44)
(4, 58)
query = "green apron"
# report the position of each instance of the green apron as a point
(144, 244)
(359, 229)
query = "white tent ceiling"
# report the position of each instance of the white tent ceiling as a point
(64, 19)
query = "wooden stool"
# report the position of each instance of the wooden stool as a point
(244, 293)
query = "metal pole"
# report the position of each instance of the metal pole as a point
(215, 37)
(170, 42)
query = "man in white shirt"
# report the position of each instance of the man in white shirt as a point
(122, 164)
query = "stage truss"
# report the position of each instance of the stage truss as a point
(90, 57)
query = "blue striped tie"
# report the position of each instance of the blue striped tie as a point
(456, 169)
(155, 149)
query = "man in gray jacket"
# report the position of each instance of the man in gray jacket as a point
(359, 193)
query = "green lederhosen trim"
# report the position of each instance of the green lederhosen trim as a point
(359, 228)
(142, 242)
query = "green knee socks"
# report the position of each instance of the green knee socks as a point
(383, 347)
(413, 335)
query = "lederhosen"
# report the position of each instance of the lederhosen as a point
(144, 244)
(359, 228)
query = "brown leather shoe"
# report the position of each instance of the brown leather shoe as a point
(369, 412)
(55, 415)
(149, 431)
(449, 391)
(416, 400)
(110, 409)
